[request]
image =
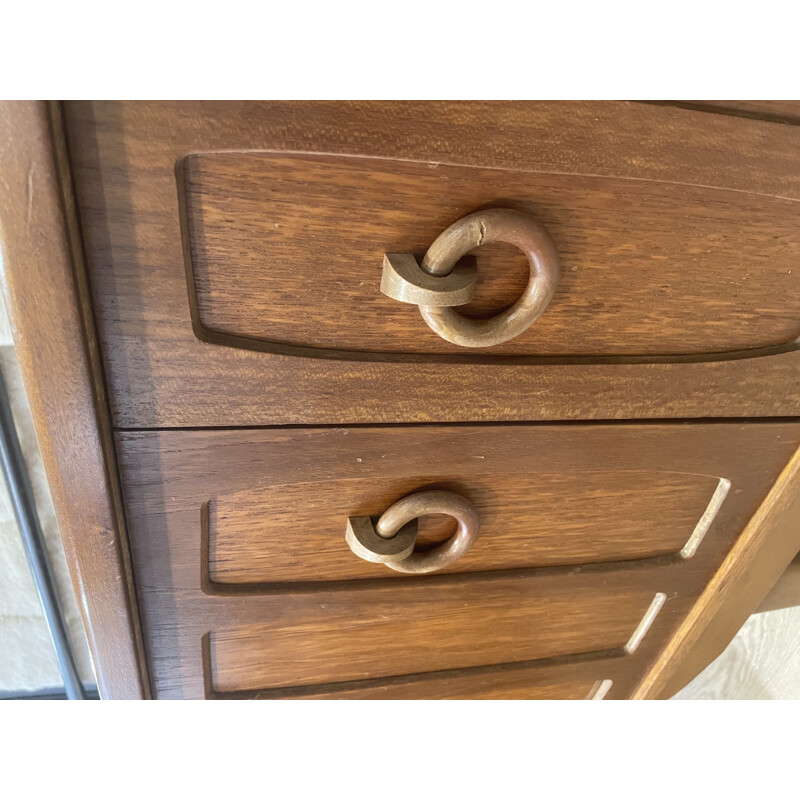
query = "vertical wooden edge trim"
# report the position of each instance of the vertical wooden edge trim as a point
(49, 306)
(768, 544)
(97, 384)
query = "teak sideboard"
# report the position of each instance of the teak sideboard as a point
(410, 399)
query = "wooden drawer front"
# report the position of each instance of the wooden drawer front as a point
(293, 532)
(350, 636)
(242, 288)
(247, 585)
(286, 250)
(563, 681)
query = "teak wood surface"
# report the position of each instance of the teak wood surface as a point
(276, 536)
(165, 370)
(287, 250)
(569, 680)
(51, 316)
(629, 553)
(291, 611)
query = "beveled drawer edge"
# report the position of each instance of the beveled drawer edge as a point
(783, 112)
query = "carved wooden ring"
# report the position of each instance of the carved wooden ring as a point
(438, 284)
(391, 540)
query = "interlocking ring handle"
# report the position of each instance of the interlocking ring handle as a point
(391, 540)
(437, 284)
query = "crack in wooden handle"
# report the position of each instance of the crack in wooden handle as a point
(437, 284)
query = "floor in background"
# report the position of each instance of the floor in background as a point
(761, 663)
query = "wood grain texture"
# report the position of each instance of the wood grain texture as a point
(352, 638)
(269, 531)
(124, 156)
(288, 250)
(752, 567)
(47, 300)
(170, 475)
(562, 681)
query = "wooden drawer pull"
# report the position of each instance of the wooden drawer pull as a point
(437, 284)
(391, 540)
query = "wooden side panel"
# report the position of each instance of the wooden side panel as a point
(288, 249)
(48, 302)
(164, 375)
(270, 634)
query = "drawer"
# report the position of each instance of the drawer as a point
(297, 484)
(243, 288)
(562, 681)
(331, 639)
(594, 543)
(284, 254)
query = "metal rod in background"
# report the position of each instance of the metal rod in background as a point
(19, 489)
